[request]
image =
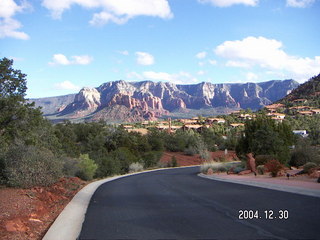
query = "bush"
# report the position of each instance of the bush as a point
(204, 154)
(87, 167)
(135, 167)
(174, 162)
(216, 166)
(191, 151)
(29, 166)
(298, 158)
(124, 157)
(108, 167)
(273, 166)
(304, 153)
(263, 159)
(150, 159)
(308, 166)
(260, 169)
(238, 169)
(70, 166)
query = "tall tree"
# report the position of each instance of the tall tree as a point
(263, 136)
(18, 117)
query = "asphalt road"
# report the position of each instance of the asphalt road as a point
(177, 204)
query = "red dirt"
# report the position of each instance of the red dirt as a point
(185, 160)
(28, 213)
(303, 181)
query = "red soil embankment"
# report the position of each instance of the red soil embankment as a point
(28, 213)
(185, 160)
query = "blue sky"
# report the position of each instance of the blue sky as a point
(64, 45)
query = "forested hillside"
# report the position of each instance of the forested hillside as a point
(35, 152)
(309, 91)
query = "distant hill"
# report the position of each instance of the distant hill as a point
(309, 91)
(120, 101)
(52, 105)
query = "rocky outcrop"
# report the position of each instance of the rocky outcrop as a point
(85, 102)
(150, 100)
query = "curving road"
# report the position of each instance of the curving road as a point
(177, 204)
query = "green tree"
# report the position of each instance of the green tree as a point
(87, 167)
(18, 118)
(263, 136)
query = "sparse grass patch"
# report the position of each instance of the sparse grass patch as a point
(135, 167)
(218, 166)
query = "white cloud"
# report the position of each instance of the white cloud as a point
(201, 72)
(103, 18)
(60, 59)
(124, 52)
(267, 54)
(67, 85)
(201, 55)
(117, 11)
(212, 62)
(81, 60)
(237, 64)
(250, 76)
(300, 3)
(228, 3)
(8, 25)
(178, 78)
(144, 58)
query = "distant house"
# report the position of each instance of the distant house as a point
(302, 133)
(301, 108)
(305, 113)
(274, 107)
(127, 127)
(189, 121)
(247, 116)
(234, 125)
(215, 120)
(277, 116)
(315, 111)
(142, 131)
(196, 127)
(162, 127)
(301, 100)
(235, 112)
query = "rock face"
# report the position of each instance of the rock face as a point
(85, 102)
(147, 100)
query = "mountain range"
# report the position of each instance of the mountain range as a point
(122, 101)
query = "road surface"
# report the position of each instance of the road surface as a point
(177, 204)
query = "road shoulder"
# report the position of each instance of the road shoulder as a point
(312, 189)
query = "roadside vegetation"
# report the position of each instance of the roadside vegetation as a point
(34, 152)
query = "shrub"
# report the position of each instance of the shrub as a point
(298, 158)
(29, 166)
(124, 157)
(190, 151)
(151, 158)
(87, 167)
(70, 166)
(263, 159)
(108, 167)
(304, 153)
(308, 166)
(174, 162)
(273, 166)
(238, 169)
(204, 154)
(216, 166)
(260, 169)
(135, 167)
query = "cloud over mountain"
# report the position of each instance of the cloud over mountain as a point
(117, 11)
(267, 54)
